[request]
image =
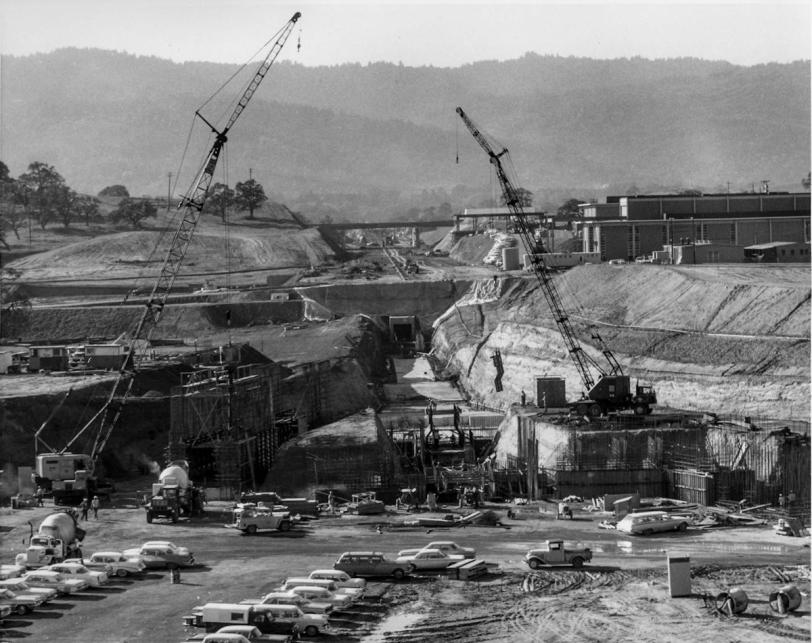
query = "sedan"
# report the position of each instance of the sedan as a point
(21, 604)
(428, 559)
(77, 570)
(11, 571)
(322, 595)
(161, 554)
(19, 586)
(114, 563)
(289, 598)
(54, 580)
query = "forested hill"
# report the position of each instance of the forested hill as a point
(104, 118)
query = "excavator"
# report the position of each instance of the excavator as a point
(76, 477)
(607, 391)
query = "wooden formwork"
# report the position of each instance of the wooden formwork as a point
(222, 422)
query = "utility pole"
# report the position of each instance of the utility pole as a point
(169, 191)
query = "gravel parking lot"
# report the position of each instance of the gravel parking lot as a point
(623, 592)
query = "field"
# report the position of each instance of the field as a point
(622, 594)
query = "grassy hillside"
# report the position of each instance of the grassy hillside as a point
(104, 118)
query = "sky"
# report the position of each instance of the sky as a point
(416, 33)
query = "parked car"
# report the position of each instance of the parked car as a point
(77, 570)
(298, 581)
(11, 571)
(19, 586)
(323, 595)
(114, 563)
(20, 604)
(307, 624)
(5, 610)
(161, 554)
(240, 634)
(369, 563)
(289, 598)
(646, 523)
(54, 580)
(427, 559)
(341, 578)
(446, 546)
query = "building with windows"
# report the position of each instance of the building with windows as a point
(629, 227)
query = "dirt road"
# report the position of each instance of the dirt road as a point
(623, 594)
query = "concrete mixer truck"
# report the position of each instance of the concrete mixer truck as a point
(173, 495)
(57, 538)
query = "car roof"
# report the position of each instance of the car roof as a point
(159, 543)
(643, 514)
(106, 553)
(430, 551)
(362, 553)
(332, 572)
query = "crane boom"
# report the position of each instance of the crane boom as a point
(611, 390)
(192, 204)
(512, 200)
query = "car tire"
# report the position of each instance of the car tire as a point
(121, 573)
(311, 630)
(284, 525)
(646, 532)
(534, 563)
(398, 574)
(682, 526)
(577, 562)
(22, 610)
(251, 530)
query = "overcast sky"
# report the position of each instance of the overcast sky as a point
(415, 33)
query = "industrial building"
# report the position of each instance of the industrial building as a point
(629, 227)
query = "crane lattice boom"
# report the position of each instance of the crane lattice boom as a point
(513, 201)
(192, 204)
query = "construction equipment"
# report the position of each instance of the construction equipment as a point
(611, 390)
(174, 495)
(57, 538)
(192, 204)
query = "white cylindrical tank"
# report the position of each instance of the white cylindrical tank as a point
(175, 474)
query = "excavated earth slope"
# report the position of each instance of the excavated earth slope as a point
(731, 339)
(127, 254)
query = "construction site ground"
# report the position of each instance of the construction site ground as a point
(622, 595)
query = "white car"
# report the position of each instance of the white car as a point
(161, 554)
(54, 580)
(340, 578)
(11, 571)
(427, 559)
(19, 586)
(451, 548)
(289, 598)
(323, 595)
(77, 570)
(21, 604)
(114, 563)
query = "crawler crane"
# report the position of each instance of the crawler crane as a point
(610, 390)
(70, 475)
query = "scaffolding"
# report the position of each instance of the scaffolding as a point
(222, 422)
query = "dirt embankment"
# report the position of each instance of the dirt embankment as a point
(728, 339)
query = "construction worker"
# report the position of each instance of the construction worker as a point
(39, 493)
(94, 505)
(83, 507)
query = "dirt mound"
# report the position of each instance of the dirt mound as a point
(130, 254)
(728, 339)
(472, 249)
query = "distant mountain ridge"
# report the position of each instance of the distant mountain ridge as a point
(104, 118)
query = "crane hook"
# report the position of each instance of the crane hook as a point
(299, 41)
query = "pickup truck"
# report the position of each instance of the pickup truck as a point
(274, 501)
(248, 518)
(555, 553)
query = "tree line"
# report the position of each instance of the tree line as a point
(41, 195)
